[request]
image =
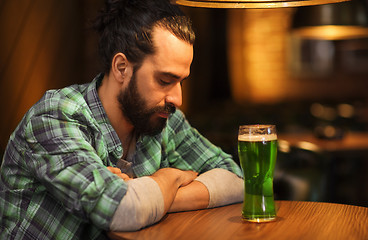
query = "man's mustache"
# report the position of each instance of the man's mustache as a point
(169, 108)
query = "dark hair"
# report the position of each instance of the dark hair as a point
(126, 26)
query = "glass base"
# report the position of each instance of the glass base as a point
(260, 220)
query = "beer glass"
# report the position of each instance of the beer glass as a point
(257, 146)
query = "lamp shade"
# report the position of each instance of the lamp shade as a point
(345, 20)
(252, 3)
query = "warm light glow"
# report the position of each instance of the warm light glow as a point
(253, 3)
(331, 32)
(257, 54)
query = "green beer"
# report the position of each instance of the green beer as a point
(257, 146)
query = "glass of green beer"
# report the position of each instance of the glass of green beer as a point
(257, 146)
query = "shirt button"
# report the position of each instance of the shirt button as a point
(119, 149)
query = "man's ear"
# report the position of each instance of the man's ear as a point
(119, 67)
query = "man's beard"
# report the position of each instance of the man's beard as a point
(135, 109)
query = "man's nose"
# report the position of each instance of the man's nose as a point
(175, 95)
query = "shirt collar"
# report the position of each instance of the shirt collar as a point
(110, 136)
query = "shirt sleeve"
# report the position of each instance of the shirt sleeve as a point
(60, 156)
(142, 205)
(223, 186)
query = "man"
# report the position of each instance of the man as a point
(115, 154)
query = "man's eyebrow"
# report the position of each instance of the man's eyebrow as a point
(171, 75)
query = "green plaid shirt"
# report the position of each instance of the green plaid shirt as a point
(54, 183)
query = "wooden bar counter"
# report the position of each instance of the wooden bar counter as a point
(296, 220)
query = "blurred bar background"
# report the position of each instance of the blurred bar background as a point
(249, 67)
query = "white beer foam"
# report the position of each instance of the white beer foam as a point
(257, 138)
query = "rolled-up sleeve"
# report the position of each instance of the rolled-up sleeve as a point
(224, 187)
(142, 205)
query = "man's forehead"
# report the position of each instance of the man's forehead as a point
(172, 56)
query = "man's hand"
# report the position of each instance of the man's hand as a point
(179, 177)
(118, 173)
(170, 180)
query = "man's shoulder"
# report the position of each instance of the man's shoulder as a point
(64, 104)
(73, 93)
(56, 106)
(67, 99)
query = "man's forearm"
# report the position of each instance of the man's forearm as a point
(173, 190)
(169, 180)
(149, 198)
(214, 188)
(193, 196)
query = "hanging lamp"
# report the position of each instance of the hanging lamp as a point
(347, 20)
(260, 4)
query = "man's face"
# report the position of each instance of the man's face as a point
(154, 90)
(135, 108)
